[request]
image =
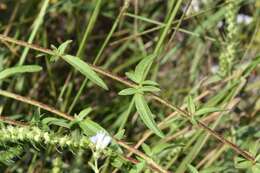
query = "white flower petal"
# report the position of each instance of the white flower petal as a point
(93, 139)
(101, 140)
(106, 141)
(245, 19)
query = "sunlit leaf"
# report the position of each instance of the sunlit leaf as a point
(85, 69)
(128, 91)
(150, 82)
(241, 163)
(90, 127)
(150, 89)
(147, 149)
(132, 77)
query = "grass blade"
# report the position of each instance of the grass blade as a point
(19, 69)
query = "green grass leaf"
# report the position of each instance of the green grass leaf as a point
(207, 110)
(191, 105)
(19, 69)
(146, 114)
(85, 69)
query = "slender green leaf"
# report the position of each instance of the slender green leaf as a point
(192, 169)
(146, 114)
(19, 69)
(207, 110)
(257, 158)
(85, 69)
(128, 91)
(120, 134)
(90, 127)
(142, 66)
(256, 168)
(132, 77)
(150, 82)
(55, 121)
(147, 149)
(150, 89)
(191, 105)
(63, 47)
(84, 113)
(138, 167)
(241, 163)
(160, 147)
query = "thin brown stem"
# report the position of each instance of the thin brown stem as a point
(35, 103)
(157, 98)
(153, 164)
(132, 160)
(13, 122)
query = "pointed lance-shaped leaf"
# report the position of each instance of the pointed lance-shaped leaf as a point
(128, 91)
(150, 82)
(142, 66)
(19, 69)
(85, 69)
(150, 89)
(146, 114)
(132, 77)
(90, 127)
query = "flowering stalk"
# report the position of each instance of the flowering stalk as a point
(34, 134)
(226, 59)
(101, 140)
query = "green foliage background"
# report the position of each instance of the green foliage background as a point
(174, 83)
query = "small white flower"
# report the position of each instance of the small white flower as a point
(101, 140)
(244, 19)
(220, 24)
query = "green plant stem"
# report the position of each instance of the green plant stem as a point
(130, 84)
(68, 117)
(36, 25)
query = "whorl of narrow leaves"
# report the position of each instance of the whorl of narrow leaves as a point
(19, 69)
(138, 76)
